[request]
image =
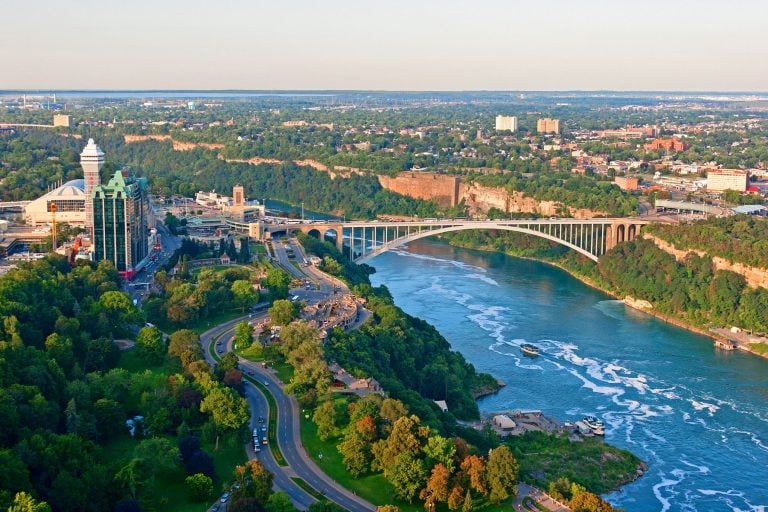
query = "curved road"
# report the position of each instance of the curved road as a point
(288, 430)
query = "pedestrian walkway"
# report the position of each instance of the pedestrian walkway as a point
(537, 495)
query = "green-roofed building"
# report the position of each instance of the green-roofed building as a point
(121, 222)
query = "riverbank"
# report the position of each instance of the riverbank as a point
(694, 414)
(638, 305)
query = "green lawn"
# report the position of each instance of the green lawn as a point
(202, 325)
(760, 348)
(130, 360)
(373, 488)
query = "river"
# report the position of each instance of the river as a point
(697, 416)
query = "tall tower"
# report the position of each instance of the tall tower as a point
(238, 202)
(92, 160)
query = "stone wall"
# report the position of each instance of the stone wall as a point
(754, 276)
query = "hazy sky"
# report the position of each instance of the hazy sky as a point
(388, 45)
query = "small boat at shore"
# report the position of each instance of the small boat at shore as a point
(595, 425)
(725, 344)
(529, 350)
(583, 429)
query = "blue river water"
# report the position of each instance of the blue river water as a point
(697, 416)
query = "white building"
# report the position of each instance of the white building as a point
(506, 123)
(720, 180)
(213, 199)
(70, 205)
(91, 160)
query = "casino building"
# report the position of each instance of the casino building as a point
(70, 205)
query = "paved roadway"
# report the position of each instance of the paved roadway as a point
(288, 424)
(259, 407)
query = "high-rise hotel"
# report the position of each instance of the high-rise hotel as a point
(121, 222)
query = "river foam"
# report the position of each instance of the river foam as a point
(655, 401)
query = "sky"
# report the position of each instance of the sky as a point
(703, 45)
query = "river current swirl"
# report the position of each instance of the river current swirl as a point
(697, 416)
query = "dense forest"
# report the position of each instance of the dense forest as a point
(691, 289)
(67, 393)
(38, 158)
(738, 238)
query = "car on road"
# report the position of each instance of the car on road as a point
(255, 433)
(264, 440)
(224, 497)
(266, 383)
(264, 427)
(261, 419)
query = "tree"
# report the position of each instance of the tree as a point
(229, 410)
(277, 281)
(441, 450)
(232, 250)
(324, 506)
(502, 471)
(407, 476)
(243, 335)
(255, 481)
(388, 508)
(245, 251)
(200, 462)
(474, 467)
(279, 502)
(200, 487)
(588, 502)
(356, 453)
(150, 344)
(119, 309)
(325, 419)
(187, 446)
(282, 312)
(467, 506)
(456, 498)
(406, 437)
(243, 294)
(185, 344)
(23, 502)
(436, 490)
(392, 409)
(110, 417)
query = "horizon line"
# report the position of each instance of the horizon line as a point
(379, 91)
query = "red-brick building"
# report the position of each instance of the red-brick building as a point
(672, 144)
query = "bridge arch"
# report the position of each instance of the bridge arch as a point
(331, 235)
(424, 234)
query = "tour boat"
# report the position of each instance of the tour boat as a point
(595, 425)
(529, 350)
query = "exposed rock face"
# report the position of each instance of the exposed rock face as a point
(754, 276)
(177, 145)
(637, 303)
(450, 191)
(440, 188)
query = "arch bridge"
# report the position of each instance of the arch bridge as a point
(366, 240)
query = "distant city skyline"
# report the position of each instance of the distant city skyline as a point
(673, 45)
